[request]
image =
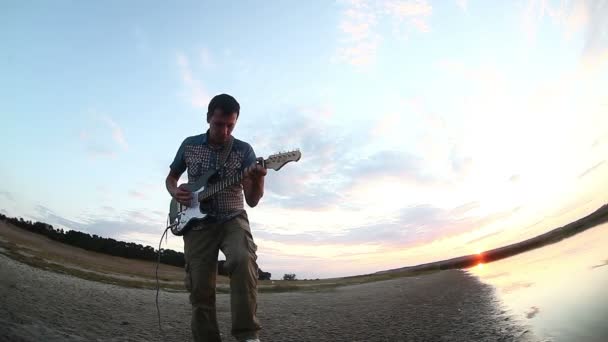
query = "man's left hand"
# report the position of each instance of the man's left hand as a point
(255, 172)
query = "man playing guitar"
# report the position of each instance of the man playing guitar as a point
(225, 228)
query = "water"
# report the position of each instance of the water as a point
(560, 290)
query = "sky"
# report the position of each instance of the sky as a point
(428, 130)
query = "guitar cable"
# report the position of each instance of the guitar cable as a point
(165, 235)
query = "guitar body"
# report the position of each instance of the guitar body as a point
(181, 217)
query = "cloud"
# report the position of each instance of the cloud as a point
(337, 161)
(531, 17)
(591, 169)
(597, 142)
(102, 189)
(386, 163)
(497, 104)
(463, 5)
(206, 59)
(137, 194)
(597, 26)
(131, 221)
(421, 25)
(96, 151)
(407, 10)
(602, 264)
(117, 133)
(483, 237)
(413, 225)
(331, 165)
(514, 178)
(101, 144)
(314, 181)
(159, 213)
(465, 208)
(108, 208)
(533, 310)
(358, 25)
(302, 196)
(461, 164)
(360, 43)
(8, 195)
(587, 16)
(197, 94)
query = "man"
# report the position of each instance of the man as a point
(227, 226)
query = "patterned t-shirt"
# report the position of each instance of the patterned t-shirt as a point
(197, 157)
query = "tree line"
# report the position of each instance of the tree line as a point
(104, 245)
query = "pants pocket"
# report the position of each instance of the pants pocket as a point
(188, 278)
(253, 266)
(253, 248)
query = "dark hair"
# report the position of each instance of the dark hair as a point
(226, 103)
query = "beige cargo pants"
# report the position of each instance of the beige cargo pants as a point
(201, 248)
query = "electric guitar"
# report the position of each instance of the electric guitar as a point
(182, 217)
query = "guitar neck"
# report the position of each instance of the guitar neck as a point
(219, 186)
(274, 162)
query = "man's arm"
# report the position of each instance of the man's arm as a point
(181, 195)
(253, 184)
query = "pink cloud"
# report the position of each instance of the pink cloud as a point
(117, 133)
(421, 25)
(361, 41)
(408, 9)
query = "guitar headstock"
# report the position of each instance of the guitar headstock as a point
(276, 161)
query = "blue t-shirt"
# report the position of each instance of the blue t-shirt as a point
(197, 157)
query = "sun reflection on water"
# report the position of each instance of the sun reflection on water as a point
(558, 289)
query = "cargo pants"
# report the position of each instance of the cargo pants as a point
(201, 249)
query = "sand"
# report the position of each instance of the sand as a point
(40, 305)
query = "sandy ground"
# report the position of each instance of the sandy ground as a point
(39, 305)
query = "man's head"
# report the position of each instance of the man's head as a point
(222, 114)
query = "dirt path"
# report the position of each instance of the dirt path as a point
(38, 305)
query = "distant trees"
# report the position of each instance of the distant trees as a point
(99, 244)
(108, 246)
(289, 276)
(264, 275)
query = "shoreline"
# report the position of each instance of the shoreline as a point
(448, 306)
(555, 235)
(42, 252)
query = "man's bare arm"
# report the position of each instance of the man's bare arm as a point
(180, 194)
(253, 184)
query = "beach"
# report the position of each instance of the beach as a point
(41, 305)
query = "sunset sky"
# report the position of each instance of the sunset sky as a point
(428, 130)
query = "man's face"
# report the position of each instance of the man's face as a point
(221, 126)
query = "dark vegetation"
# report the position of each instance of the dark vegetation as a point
(597, 217)
(108, 246)
(170, 257)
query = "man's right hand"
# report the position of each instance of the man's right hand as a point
(182, 195)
